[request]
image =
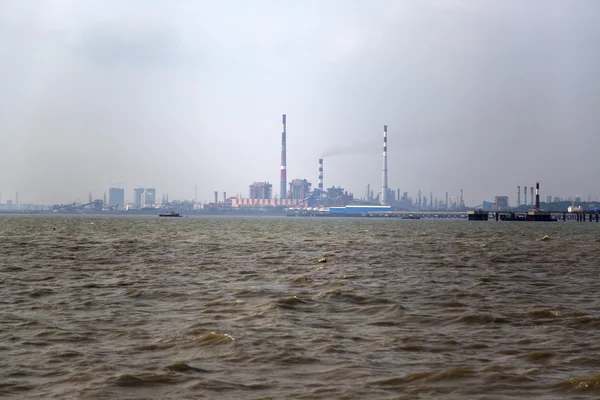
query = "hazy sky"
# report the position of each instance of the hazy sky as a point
(479, 95)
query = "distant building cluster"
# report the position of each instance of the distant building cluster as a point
(144, 198)
(116, 198)
(299, 193)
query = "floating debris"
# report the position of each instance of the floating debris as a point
(546, 237)
(322, 260)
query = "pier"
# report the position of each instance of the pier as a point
(473, 215)
(541, 216)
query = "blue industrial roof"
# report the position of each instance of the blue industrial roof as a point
(354, 210)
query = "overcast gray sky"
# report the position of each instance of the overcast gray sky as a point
(479, 95)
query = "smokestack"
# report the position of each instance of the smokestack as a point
(384, 185)
(216, 197)
(224, 197)
(283, 189)
(518, 196)
(537, 196)
(531, 189)
(321, 174)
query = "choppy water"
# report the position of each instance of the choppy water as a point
(240, 308)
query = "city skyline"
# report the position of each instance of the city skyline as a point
(172, 95)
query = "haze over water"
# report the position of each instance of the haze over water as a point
(142, 307)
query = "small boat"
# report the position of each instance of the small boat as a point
(170, 214)
(411, 216)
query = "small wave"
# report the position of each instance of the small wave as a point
(297, 359)
(480, 319)
(133, 293)
(41, 293)
(540, 355)
(300, 279)
(158, 345)
(413, 348)
(289, 302)
(37, 344)
(587, 321)
(214, 338)
(143, 380)
(183, 367)
(219, 386)
(12, 268)
(405, 339)
(335, 348)
(582, 384)
(62, 355)
(509, 352)
(544, 314)
(426, 376)
(339, 294)
(451, 304)
(387, 323)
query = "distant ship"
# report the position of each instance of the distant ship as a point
(170, 214)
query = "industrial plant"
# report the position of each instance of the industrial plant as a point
(299, 197)
(296, 194)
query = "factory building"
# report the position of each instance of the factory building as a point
(299, 189)
(116, 198)
(261, 190)
(501, 203)
(338, 196)
(262, 203)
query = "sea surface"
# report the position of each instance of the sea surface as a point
(241, 308)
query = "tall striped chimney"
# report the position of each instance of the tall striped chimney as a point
(384, 184)
(537, 196)
(321, 174)
(283, 189)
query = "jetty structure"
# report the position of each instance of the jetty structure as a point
(533, 215)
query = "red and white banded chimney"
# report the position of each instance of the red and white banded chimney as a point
(321, 174)
(283, 187)
(384, 178)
